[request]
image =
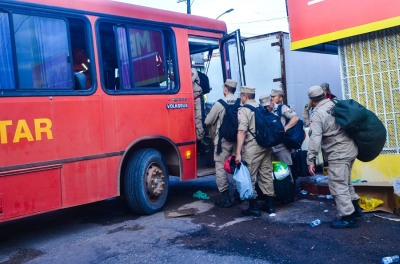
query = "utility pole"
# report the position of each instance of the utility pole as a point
(187, 3)
(188, 6)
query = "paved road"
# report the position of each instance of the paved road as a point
(106, 232)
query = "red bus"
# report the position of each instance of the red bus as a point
(88, 107)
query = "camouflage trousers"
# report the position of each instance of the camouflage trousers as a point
(340, 186)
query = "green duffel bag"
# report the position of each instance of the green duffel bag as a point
(363, 126)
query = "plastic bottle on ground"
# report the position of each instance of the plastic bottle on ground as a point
(315, 223)
(392, 259)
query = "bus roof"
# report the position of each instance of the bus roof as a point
(129, 10)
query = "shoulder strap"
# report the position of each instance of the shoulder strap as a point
(335, 100)
(252, 108)
(280, 112)
(224, 104)
(280, 109)
(237, 101)
(195, 98)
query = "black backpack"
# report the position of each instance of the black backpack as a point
(269, 129)
(229, 126)
(363, 126)
(284, 189)
(294, 136)
(204, 82)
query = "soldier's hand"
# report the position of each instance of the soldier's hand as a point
(311, 169)
(308, 105)
(238, 158)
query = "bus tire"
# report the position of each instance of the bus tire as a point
(146, 182)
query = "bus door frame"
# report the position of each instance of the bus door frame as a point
(226, 42)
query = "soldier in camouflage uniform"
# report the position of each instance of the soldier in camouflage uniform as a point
(281, 152)
(258, 158)
(197, 92)
(308, 108)
(340, 151)
(214, 119)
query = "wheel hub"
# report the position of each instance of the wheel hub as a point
(155, 181)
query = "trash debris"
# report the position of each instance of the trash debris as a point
(304, 192)
(392, 259)
(179, 213)
(201, 195)
(315, 223)
(325, 211)
(358, 181)
(319, 179)
(388, 218)
(369, 203)
(328, 196)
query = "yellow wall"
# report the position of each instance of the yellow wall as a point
(383, 168)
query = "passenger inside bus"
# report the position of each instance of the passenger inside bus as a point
(80, 59)
(81, 69)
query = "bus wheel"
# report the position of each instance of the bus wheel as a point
(146, 182)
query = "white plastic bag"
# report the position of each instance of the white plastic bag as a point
(243, 182)
(281, 170)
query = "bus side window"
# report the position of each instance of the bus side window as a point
(137, 58)
(80, 59)
(43, 61)
(7, 80)
(147, 57)
(109, 57)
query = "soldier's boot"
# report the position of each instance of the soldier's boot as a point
(225, 200)
(236, 197)
(270, 206)
(358, 212)
(348, 221)
(253, 209)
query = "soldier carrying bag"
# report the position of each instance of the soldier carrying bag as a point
(294, 136)
(229, 125)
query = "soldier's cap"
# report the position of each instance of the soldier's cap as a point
(325, 87)
(248, 90)
(231, 83)
(275, 92)
(315, 91)
(265, 100)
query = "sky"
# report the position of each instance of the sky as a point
(252, 17)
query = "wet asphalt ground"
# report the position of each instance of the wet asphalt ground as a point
(107, 232)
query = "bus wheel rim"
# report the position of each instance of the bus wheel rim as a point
(155, 181)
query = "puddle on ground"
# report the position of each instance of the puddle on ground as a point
(23, 255)
(126, 228)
